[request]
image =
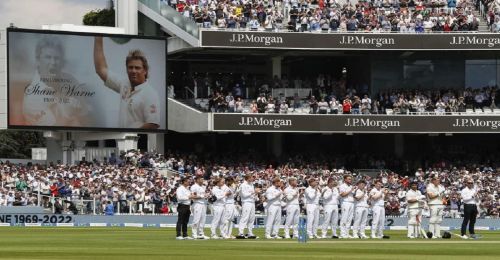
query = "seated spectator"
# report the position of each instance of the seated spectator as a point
(323, 106)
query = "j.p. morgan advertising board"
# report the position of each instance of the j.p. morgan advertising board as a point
(356, 123)
(340, 41)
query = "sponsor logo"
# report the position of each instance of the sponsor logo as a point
(477, 122)
(252, 38)
(375, 41)
(260, 121)
(475, 40)
(367, 122)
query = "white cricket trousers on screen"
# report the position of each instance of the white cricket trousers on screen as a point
(247, 218)
(312, 219)
(331, 219)
(199, 217)
(346, 218)
(229, 212)
(378, 221)
(360, 217)
(273, 221)
(292, 220)
(218, 220)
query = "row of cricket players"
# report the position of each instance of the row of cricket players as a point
(354, 202)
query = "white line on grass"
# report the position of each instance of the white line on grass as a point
(374, 242)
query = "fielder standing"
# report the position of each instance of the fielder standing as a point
(312, 195)
(229, 208)
(248, 195)
(198, 191)
(218, 206)
(435, 193)
(361, 210)
(377, 196)
(292, 194)
(330, 197)
(346, 192)
(273, 196)
(413, 199)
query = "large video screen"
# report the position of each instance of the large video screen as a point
(79, 80)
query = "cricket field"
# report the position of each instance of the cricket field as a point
(159, 243)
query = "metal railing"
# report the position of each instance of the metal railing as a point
(277, 30)
(185, 23)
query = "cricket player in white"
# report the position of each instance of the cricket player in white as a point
(273, 196)
(292, 195)
(361, 210)
(312, 196)
(218, 206)
(330, 195)
(413, 198)
(248, 195)
(435, 193)
(229, 208)
(199, 208)
(346, 193)
(377, 196)
(139, 102)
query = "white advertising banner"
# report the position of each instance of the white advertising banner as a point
(79, 80)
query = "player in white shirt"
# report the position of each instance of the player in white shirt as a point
(199, 208)
(229, 208)
(218, 207)
(361, 210)
(435, 194)
(248, 195)
(139, 102)
(377, 196)
(273, 197)
(470, 200)
(330, 195)
(292, 194)
(312, 196)
(414, 198)
(346, 192)
(184, 197)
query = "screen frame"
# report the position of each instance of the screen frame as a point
(70, 128)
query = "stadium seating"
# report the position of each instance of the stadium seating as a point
(335, 15)
(135, 185)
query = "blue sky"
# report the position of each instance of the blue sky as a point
(34, 13)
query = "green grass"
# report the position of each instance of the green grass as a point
(155, 243)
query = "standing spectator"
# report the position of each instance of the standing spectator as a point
(346, 105)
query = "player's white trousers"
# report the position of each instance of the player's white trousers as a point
(292, 220)
(273, 220)
(199, 217)
(360, 217)
(229, 212)
(247, 218)
(331, 220)
(346, 218)
(312, 219)
(218, 220)
(378, 221)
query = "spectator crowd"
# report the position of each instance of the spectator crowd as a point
(133, 183)
(413, 16)
(341, 100)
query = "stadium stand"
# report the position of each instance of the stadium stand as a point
(335, 15)
(326, 95)
(134, 185)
